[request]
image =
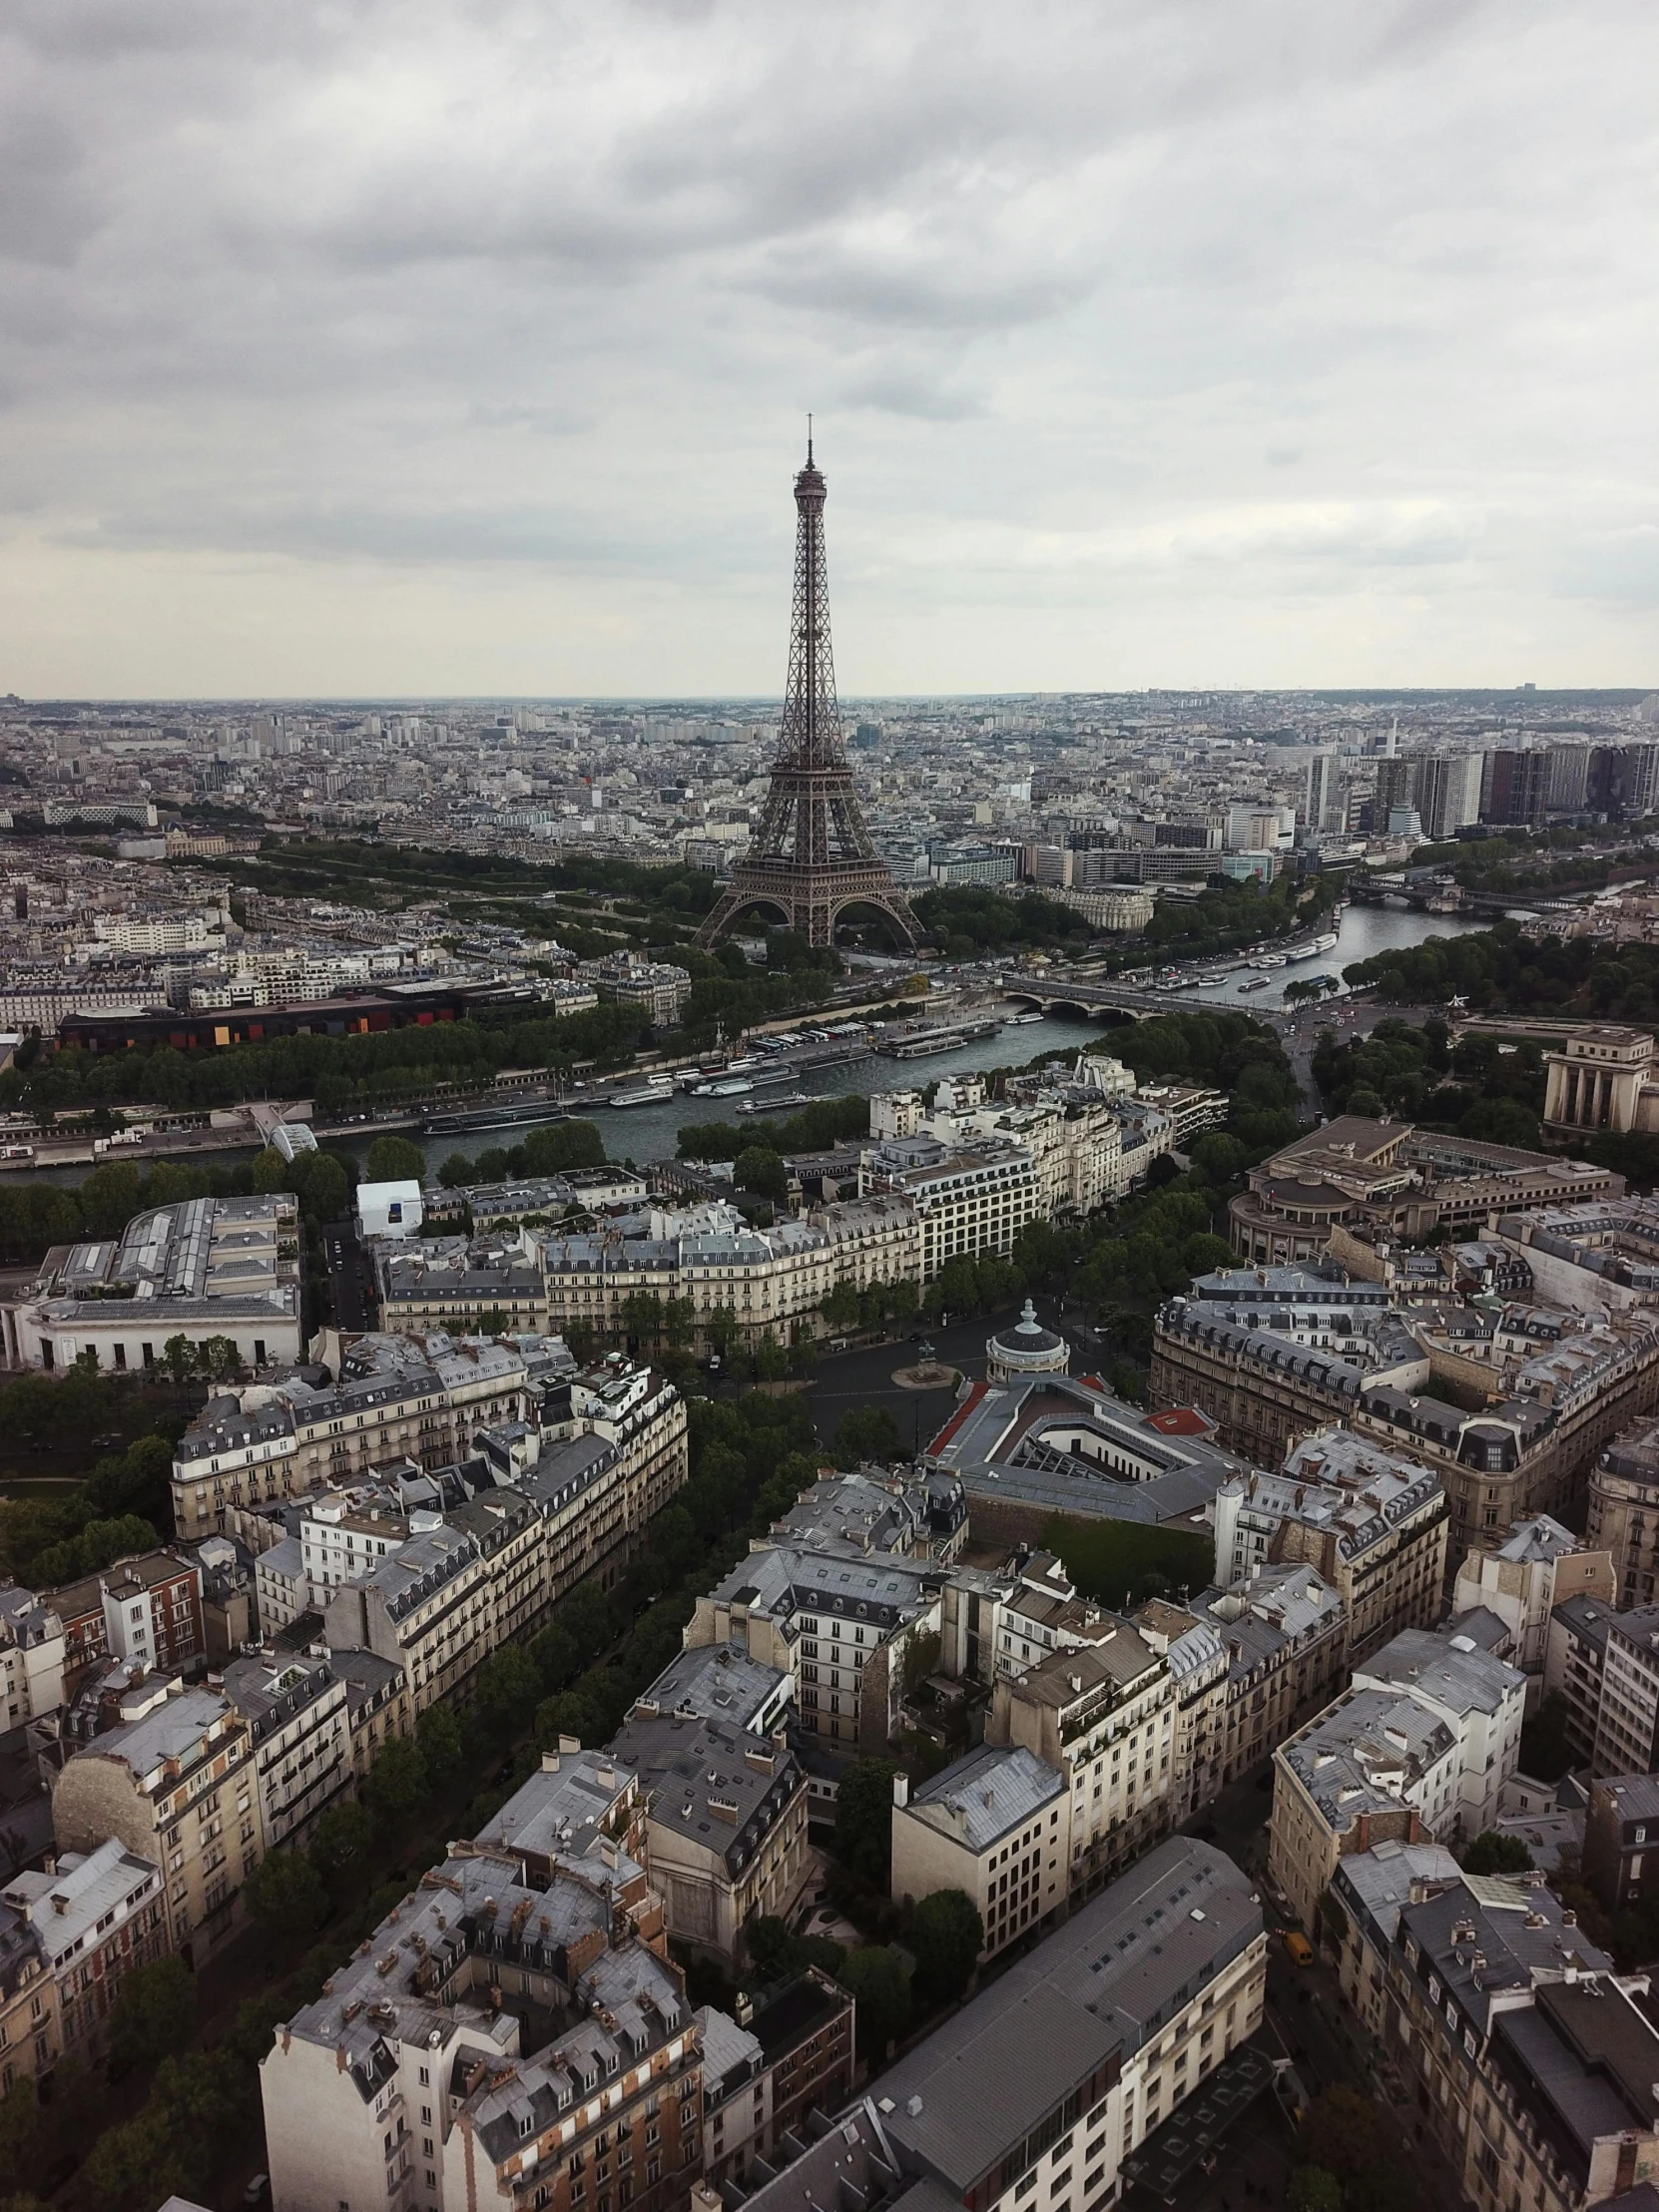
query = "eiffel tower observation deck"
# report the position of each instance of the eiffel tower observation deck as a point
(811, 856)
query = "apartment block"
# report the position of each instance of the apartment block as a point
(1373, 1525)
(31, 1654)
(1102, 1716)
(178, 1787)
(1374, 1767)
(29, 2032)
(210, 1266)
(1250, 1665)
(1623, 1517)
(1627, 1720)
(969, 1201)
(426, 1608)
(1622, 1840)
(1478, 1697)
(1538, 1566)
(145, 1610)
(1053, 2076)
(1361, 1914)
(299, 1719)
(394, 1398)
(377, 1707)
(726, 1829)
(1533, 2064)
(508, 2037)
(766, 2072)
(996, 1825)
(93, 1916)
(840, 1625)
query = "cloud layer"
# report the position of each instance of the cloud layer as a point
(463, 345)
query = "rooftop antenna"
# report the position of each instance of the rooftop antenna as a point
(809, 442)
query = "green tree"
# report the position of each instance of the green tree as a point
(222, 1359)
(878, 1981)
(456, 1172)
(153, 2013)
(642, 1316)
(19, 2130)
(340, 1842)
(863, 1820)
(323, 1183)
(111, 1194)
(840, 1307)
(562, 1145)
(866, 1432)
(1342, 2133)
(946, 1934)
(1312, 2189)
(509, 1688)
(443, 1746)
(285, 1893)
(394, 1160)
(762, 1171)
(396, 1782)
(1492, 1853)
(179, 1357)
(776, 1955)
(771, 1362)
(722, 1329)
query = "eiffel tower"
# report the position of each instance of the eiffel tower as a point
(812, 855)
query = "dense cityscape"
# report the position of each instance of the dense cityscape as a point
(803, 1427)
(611, 1584)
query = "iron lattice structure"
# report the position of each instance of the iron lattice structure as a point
(811, 856)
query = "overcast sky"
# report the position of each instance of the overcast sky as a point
(412, 346)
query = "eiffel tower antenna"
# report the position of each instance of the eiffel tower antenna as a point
(812, 855)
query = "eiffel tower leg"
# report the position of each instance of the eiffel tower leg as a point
(894, 905)
(730, 905)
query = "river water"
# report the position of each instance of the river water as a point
(1362, 932)
(643, 1133)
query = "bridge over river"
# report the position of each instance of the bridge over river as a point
(1054, 993)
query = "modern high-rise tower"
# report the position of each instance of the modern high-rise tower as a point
(812, 855)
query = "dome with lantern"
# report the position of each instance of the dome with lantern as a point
(1027, 1348)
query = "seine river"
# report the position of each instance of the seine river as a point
(642, 1133)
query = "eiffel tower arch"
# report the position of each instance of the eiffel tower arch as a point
(812, 856)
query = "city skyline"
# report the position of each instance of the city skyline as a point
(453, 352)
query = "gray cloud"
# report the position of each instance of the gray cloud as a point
(1270, 321)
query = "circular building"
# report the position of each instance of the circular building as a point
(1025, 1349)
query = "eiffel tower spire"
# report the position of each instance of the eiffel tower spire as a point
(812, 855)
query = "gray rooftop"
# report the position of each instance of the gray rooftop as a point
(1468, 1680)
(712, 1783)
(980, 1796)
(1100, 1985)
(718, 1682)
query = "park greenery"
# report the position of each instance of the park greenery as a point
(55, 1531)
(1478, 1087)
(384, 1068)
(1352, 2158)
(969, 921)
(1503, 971)
(33, 1216)
(1229, 917)
(1123, 1563)
(827, 1122)
(553, 1149)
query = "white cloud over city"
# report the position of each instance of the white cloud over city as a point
(415, 346)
